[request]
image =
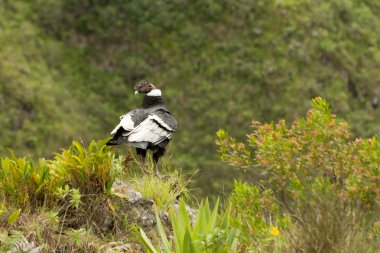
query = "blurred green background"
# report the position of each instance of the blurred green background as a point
(67, 69)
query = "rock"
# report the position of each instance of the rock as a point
(122, 188)
(138, 209)
(120, 247)
(107, 223)
(164, 216)
(165, 219)
(147, 220)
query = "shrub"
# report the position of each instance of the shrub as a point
(89, 170)
(24, 183)
(320, 177)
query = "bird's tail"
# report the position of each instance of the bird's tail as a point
(117, 138)
(112, 142)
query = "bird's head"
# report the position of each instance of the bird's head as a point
(144, 86)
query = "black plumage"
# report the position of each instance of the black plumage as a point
(150, 127)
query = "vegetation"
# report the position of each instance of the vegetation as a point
(257, 215)
(302, 184)
(202, 234)
(326, 183)
(164, 192)
(70, 203)
(67, 69)
(310, 188)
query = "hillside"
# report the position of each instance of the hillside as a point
(67, 69)
(310, 189)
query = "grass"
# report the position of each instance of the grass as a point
(164, 192)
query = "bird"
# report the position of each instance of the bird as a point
(150, 127)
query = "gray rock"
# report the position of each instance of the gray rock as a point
(138, 209)
(165, 219)
(147, 220)
(122, 188)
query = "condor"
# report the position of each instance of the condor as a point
(150, 127)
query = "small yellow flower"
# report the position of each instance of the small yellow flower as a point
(274, 231)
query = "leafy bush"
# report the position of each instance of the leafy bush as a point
(316, 150)
(89, 170)
(24, 183)
(322, 178)
(208, 233)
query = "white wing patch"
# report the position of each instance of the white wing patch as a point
(125, 122)
(152, 129)
(161, 122)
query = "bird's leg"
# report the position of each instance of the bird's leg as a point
(155, 160)
(142, 154)
(156, 167)
(156, 171)
(156, 157)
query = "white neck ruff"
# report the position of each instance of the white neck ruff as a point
(154, 93)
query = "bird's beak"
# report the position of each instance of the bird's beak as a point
(136, 92)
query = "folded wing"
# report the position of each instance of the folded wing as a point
(152, 129)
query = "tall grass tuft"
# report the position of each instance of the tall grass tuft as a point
(164, 191)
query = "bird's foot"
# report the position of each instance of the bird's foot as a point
(156, 173)
(145, 167)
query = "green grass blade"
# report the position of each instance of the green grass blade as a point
(148, 244)
(164, 239)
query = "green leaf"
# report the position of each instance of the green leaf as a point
(187, 246)
(214, 216)
(14, 216)
(180, 223)
(161, 231)
(148, 244)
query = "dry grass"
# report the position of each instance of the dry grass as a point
(331, 225)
